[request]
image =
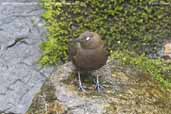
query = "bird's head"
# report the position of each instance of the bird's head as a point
(89, 40)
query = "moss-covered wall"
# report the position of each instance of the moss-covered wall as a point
(136, 25)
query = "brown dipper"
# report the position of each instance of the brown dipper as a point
(88, 53)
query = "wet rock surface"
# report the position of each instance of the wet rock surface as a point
(127, 91)
(21, 32)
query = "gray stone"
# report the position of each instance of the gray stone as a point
(21, 33)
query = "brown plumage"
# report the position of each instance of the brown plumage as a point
(88, 53)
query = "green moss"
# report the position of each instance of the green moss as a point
(137, 25)
(155, 67)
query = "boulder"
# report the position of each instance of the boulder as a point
(21, 33)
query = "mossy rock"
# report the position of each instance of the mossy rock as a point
(126, 91)
(46, 102)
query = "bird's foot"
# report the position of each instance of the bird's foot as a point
(82, 88)
(99, 87)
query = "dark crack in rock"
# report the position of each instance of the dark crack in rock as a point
(21, 33)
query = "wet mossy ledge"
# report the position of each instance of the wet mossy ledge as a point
(157, 68)
(127, 91)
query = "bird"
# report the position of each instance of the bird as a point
(88, 53)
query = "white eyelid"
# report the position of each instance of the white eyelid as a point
(87, 38)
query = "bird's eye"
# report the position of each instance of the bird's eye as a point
(87, 38)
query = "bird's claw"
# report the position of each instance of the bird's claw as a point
(99, 87)
(82, 89)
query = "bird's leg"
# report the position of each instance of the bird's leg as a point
(81, 88)
(98, 86)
